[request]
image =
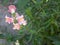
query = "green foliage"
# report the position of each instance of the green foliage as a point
(43, 22)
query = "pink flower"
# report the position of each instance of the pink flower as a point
(20, 19)
(16, 26)
(8, 19)
(12, 9)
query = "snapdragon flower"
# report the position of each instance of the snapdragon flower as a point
(21, 20)
(16, 26)
(12, 9)
(9, 19)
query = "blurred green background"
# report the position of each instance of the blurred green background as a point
(43, 21)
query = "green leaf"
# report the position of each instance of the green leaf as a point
(21, 5)
(56, 42)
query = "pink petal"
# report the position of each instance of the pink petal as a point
(8, 19)
(16, 26)
(12, 9)
(20, 18)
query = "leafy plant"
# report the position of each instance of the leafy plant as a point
(43, 18)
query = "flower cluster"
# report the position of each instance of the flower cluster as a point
(16, 19)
